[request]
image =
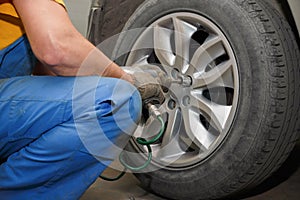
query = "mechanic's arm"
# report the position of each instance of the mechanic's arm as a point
(57, 44)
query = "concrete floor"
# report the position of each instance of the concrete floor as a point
(283, 185)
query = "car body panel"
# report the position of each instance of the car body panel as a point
(79, 13)
(295, 8)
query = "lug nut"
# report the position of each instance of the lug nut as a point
(186, 81)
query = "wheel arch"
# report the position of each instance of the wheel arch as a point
(106, 19)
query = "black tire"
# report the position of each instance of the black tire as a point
(265, 127)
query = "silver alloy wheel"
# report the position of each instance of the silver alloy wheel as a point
(201, 103)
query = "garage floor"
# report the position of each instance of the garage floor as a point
(283, 185)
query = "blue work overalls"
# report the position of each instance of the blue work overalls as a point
(58, 134)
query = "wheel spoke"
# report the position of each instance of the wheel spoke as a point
(207, 78)
(205, 54)
(162, 46)
(183, 34)
(217, 114)
(172, 129)
(170, 148)
(195, 130)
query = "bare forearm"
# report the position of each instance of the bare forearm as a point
(58, 44)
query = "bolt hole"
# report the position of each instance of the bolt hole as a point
(174, 73)
(190, 80)
(186, 100)
(172, 104)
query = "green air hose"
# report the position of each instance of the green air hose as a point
(144, 142)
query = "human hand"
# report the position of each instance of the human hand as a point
(148, 79)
